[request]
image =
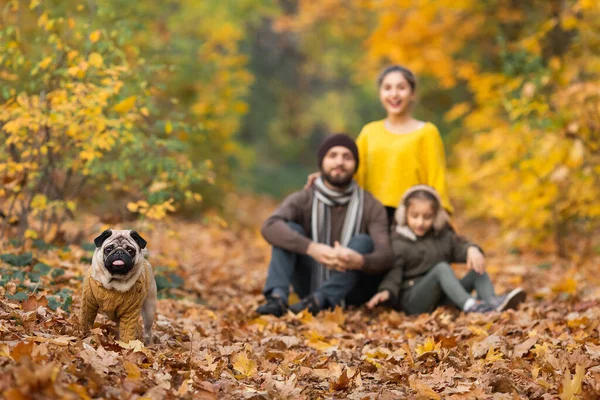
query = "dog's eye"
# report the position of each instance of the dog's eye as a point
(131, 251)
(108, 249)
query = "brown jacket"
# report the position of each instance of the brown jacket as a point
(122, 307)
(414, 258)
(297, 207)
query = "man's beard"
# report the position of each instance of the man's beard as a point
(341, 181)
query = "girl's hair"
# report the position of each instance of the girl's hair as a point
(407, 73)
(423, 195)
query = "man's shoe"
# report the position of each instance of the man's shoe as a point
(274, 306)
(509, 300)
(480, 307)
(309, 303)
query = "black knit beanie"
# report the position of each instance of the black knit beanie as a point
(339, 139)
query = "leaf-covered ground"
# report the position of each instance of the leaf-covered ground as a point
(209, 344)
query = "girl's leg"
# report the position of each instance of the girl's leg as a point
(482, 284)
(425, 295)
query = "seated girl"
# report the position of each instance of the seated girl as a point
(424, 245)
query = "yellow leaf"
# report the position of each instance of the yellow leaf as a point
(43, 19)
(80, 390)
(45, 62)
(71, 205)
(135, 345)
(576, 154)
(168, 128)
(96, 60)
(125, 105)
(39, 202)
(337, 316)
(429, 345)
(245, 366)
(587, 4)
(568, 285)
(569, 22)
(157, 187)
(133, 372)
(457, 111)
(95, 36)
(572, 387)
(424, 391)
(133, 207)
(31, 234)
(493, 355)
(540, 350)
(318, 342)
(34, 4)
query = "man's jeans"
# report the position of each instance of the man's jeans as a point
(287, 268)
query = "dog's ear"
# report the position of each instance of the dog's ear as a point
(103, 236)
(138, 239)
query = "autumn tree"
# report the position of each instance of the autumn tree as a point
(76, 117)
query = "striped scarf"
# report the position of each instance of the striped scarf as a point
(324, 199)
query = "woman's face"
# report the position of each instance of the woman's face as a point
(395, 94)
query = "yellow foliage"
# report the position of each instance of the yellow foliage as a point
(125, 105)
(154, 211)
(31, 234)
(45, 62)
(39, 202)
(95, 60)
(95, 36)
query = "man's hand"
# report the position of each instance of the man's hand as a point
(323, 254)
(311, 178)
(475, 260)
(348, 259)
(379, 298)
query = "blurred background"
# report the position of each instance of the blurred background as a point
(147, 109)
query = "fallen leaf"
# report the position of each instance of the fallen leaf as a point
(341, 383)
(521, 349)
(244, 365)
(33, 303)
(133, 372)
(22, 349)
(423, 390)
(572, 387)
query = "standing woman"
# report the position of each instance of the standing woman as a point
(400, 151)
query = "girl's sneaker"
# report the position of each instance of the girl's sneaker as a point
(509, 300)
(480, 307)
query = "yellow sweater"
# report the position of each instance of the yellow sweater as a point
(391, 163)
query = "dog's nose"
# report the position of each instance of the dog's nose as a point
(119, 252)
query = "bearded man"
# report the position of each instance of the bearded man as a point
(326, 236)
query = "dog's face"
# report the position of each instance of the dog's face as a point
(118, 251)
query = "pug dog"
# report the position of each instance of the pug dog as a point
(120, 284)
